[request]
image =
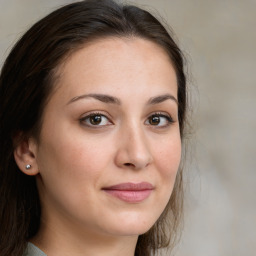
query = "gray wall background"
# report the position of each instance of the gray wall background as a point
(219, 39)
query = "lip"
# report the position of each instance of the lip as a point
(130, 192)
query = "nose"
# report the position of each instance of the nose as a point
(133, 150)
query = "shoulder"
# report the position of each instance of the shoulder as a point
(32, 250)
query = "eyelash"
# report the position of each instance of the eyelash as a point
(168, 118)
(94, 114)
(86, 119)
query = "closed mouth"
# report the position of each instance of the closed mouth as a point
(130, 192)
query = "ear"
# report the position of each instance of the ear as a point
(25, 156)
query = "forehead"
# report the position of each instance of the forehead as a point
(116, 62)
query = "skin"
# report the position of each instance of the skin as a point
(75, 159)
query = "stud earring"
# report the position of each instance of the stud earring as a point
(28, 166)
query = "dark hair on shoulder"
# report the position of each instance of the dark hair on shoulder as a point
(26, 82)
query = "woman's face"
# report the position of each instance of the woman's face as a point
(110, 144)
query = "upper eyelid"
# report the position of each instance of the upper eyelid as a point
(96, 112)
(82, 118)
(88, 115)
(164, 114)
(161, 113)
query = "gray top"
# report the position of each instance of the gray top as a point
(32, 250)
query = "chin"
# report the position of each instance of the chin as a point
(132, 225)
(131, 231)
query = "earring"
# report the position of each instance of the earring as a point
(28, 166)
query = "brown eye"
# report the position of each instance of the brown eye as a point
(160, 120)
(95, 120)
(154, 120)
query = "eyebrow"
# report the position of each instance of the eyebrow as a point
(101, 97)
(161, 98)
(113, 100)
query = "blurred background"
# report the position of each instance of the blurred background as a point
(219, 40)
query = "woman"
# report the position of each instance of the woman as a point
(92, 110)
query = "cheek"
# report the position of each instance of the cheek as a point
(167, 160)
(73, 166)
(168, 157)
(87, 158)
(74, 157)
(70, 169)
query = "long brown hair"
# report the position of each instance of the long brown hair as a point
(27, 80)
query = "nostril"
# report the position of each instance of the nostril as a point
(128, 164)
